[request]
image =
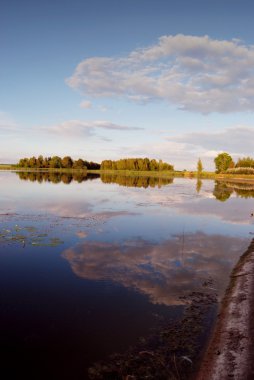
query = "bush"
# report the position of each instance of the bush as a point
(240, 170)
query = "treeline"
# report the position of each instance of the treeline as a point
(223, 190)
(56, 162)
(224, 164)
(245, 162)
(244, 165)
(142, 164)
(56, 177)
(136, 181)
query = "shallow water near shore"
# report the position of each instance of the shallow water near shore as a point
(91, 266)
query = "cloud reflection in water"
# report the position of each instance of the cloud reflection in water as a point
(163, 271)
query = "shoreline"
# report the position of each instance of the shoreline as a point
(137, 173)
(229, 353)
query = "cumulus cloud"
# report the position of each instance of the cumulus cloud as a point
(199, 74)
(87, 128)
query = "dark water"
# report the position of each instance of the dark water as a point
(88, 266)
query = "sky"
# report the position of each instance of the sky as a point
(109, 79)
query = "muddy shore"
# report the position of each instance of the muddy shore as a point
(230, 352)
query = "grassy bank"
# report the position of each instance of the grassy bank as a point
(7, 167)
(49, 170)
(160, 174)
(139, 173)
(179, 174)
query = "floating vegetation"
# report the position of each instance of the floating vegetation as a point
(28, 235)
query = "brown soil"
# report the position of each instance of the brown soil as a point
(231, 349)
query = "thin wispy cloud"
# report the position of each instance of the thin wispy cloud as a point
(237, 140)
(198, 74)
(87, 128)
(7, 125)
(184, 150)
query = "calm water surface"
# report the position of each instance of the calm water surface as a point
(90, 265)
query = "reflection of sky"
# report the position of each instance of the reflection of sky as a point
(134, 231)
(162, 271)
(153, 212)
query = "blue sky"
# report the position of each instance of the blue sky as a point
(171, 80)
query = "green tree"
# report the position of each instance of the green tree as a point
(32, 162)
(67, 162)
(39, 162)
(79, 164)
(46, 161)
(222, 162)
(199, 168)
(55, 162)
(245, 162)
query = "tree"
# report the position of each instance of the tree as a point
(79, 164)
(32, 162)
(199, 168)
(222, 162)
(245, 162)
(144, 164)
(55, 162)
(67, 162)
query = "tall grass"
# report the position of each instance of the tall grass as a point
(241, 170)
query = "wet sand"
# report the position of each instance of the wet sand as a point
(231, 349)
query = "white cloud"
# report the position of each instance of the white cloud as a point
(86, 104)
(236, 140)
(87, 128)
(181, 155)
(184, 150)
(195, 73)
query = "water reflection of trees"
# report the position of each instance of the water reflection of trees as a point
(223, 190)
(199, 184)
(55, 177)
(243, 190)
(136, 181)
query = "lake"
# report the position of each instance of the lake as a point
(90, 266)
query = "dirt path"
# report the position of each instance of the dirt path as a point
(230, 354)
